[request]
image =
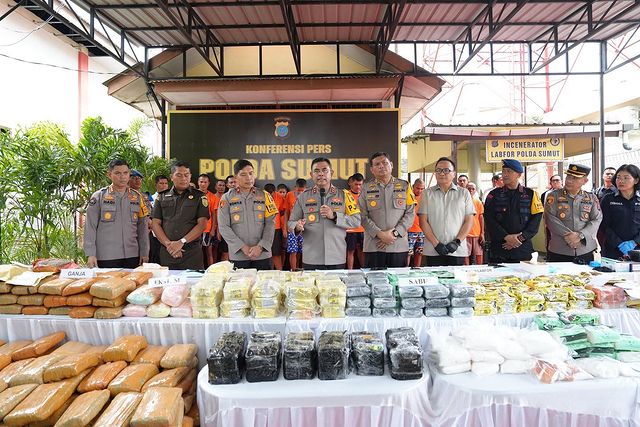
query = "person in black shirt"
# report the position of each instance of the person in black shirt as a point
(609, 183)
(621, 213)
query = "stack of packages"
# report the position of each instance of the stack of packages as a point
(206, 295)
(333, 355)
(263, 357)
(462, 298)
(159, 301)
(487, 350)
(127, 383)
(300, 356)
(236, 295)
(266, 298)
(404, 354)
(226, 358)
(367, 353)
(436, 299)
(301, 298)
(382, 291)
(332, 295)
(358, 296)
(609, 296)
(411, 300)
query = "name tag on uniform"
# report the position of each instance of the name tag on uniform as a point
(77, 273)
(167, 281)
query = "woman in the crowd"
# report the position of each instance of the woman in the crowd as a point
(621, 213)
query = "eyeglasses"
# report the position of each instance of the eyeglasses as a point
(323, 171)
(624, 178)
(444, 171)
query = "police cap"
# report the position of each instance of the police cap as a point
(577, 170)
(513, 164)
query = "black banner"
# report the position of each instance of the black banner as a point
(281, 144)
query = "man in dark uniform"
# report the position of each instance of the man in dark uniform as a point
(179, 218)
(512, 215)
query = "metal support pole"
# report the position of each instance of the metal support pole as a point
(600, 154)
(163, 128)
(595, 177)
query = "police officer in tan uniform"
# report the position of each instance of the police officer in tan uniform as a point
(322, 214)
(116, 234)
(246, 220)
(179, 217)
(572, 216)
(387, 210)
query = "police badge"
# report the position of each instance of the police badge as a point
(282, 127)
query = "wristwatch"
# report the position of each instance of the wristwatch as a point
(395, 233)
(582, 237)
(183, 241)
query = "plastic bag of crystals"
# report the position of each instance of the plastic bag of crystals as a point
(460, 311)
(333, 355)
(367, 353)
(437, 303)
(385, 312)
(263, 357)
(410, 312)
(384, 302)
(226, 358)
(463, 302)
(382, 290)
(299, 356)
(405, 354)
(410, 291)
(361, 290)
(360, 302)
(435, 291)
(435, 312)
(412, 303)
(358, 312)
(462, 291)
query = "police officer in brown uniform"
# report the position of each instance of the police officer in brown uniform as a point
(179, 217)
(322, 214)
(246, 220)
(387, 210)
(116, 234)
(572, 216)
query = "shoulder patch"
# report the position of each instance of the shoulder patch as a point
(205, 201)
(550, 200)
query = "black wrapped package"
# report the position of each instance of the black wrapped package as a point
(226, 358)
(333, 355)
(263, 357)
(367, 353)
(300, 356)
(404, 354)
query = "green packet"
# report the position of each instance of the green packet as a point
(548, 323)
(627, 343)
(582, 318)
(579, 345)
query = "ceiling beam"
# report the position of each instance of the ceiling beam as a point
(388, 30)
(292, 32)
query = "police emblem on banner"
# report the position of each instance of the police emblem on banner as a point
(282, 127)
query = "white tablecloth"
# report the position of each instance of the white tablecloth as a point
(521, 400)
(355, 402)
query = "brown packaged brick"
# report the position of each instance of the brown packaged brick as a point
(5, 288)
(6, 299)
(33, 372)
(35, 299)
(160, 407)
(70, 366)
(11, 309)
(108, 313)
(108, 274)
(119, 411)
(3, 386)
(24, 290)
(80, 300)
(84, 409)
(132, 378)
(55, 287)
(54, 301)
(53, 419)
(2, 342)
(100, 378)
(99, 350)
(125, 348)
(168, 378)
(187, 421)
(39, 346)
(12, 369)
(152, 354)
(194, 414)
(5, 359)
(140, 277)
(179, 355)
(59, 311)
(116, 302)
(188, 381)
(43, 402)
(111, 288)
(34, 310)
(79, 286)
(82, 312)
(10, 398)
(12, 347)
(72, 347)
(188, 401)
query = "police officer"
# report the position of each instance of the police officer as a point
(116, 234)
(387, 210)
(179, 217)
(246, 220)
(572, 216)
(621, 213)
(512, 215)
(322, 214)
